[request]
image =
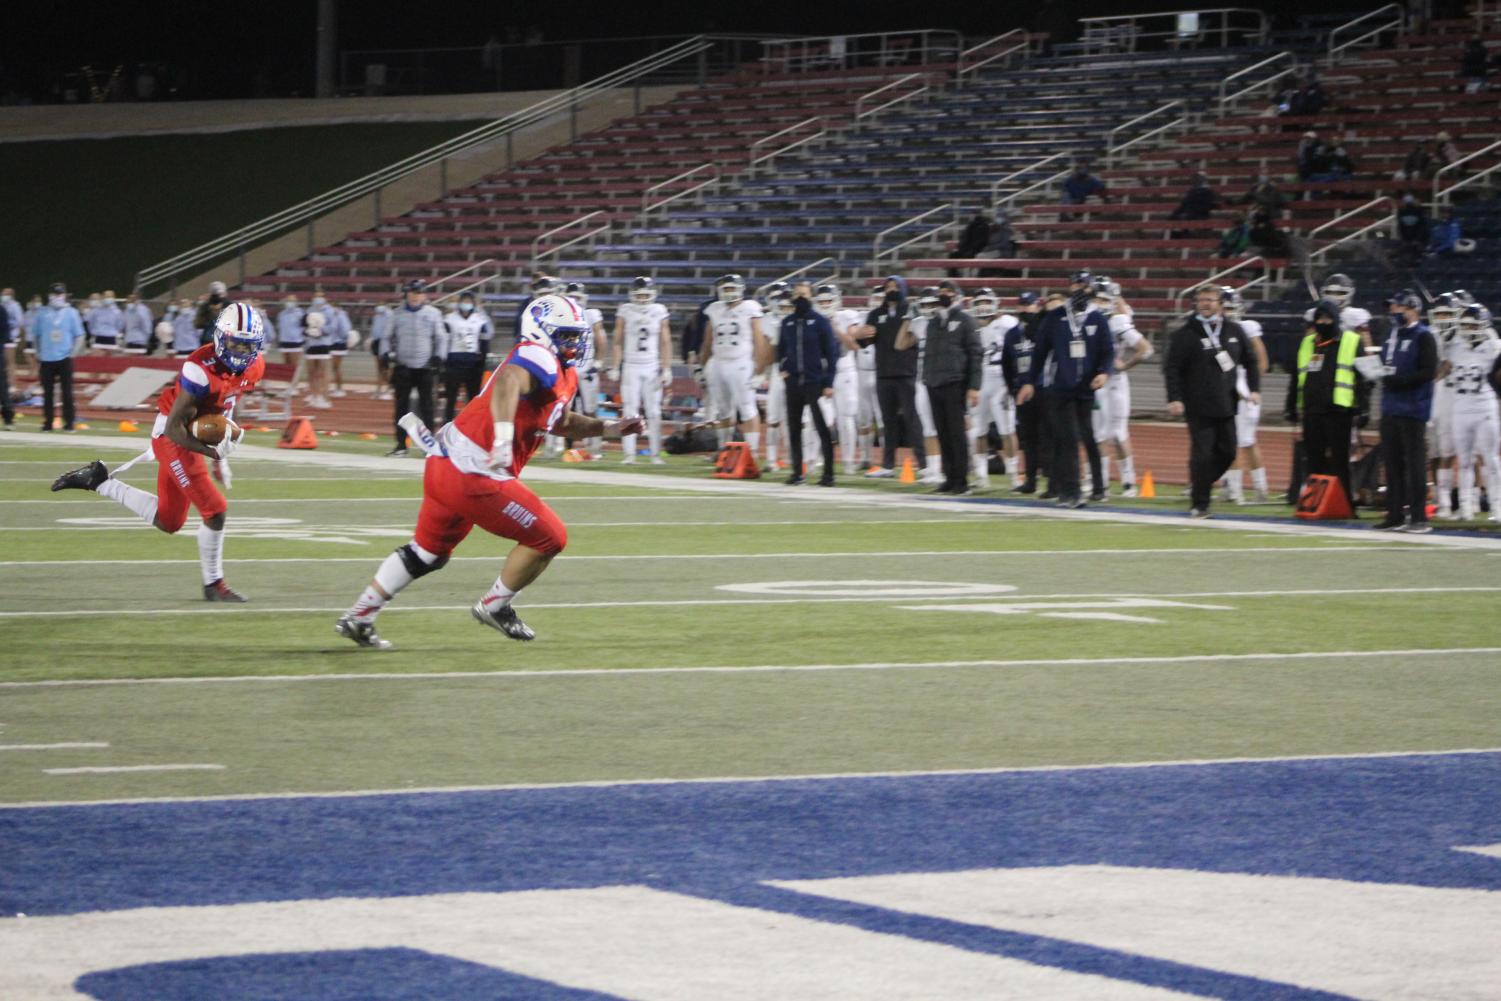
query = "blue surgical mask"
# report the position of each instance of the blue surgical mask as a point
(319, 300)
(466, 307)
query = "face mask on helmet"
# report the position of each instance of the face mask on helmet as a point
(730, 291)
(1339, 289)
(1474, 323)
(781, 304)
(238, 337)
(578, 293)
(984, 305)
(826, 299)
(928, 306)
(643, 291)
(557, 323)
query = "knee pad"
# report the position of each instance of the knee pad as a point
(414, 564)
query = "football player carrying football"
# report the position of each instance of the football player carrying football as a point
(473, 469)
(212, 379)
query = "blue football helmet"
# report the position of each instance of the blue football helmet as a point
(239, 336)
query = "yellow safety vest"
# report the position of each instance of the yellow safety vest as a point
(1344, 372)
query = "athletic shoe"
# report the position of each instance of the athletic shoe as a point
(397, 452)
(1098, 497)
(629, 460)
(796, 480)
(880, 473)
(504, 619)
(657, 460)
(1198, 512)
(1129, 490)
(1049, 494)
(338, 393)
(963, 491)
(1026, 489)
(1389, 525)
(83, 478)
(363, 633)
(941, 489)
(1077, 503)
(1262, 497)
(826, 480)
(1239, 500)
(1417, 528)
(220, 591)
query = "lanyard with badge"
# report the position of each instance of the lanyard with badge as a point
(1212, 343)
(1389, 352)
(1076, 346)
(1316, 360)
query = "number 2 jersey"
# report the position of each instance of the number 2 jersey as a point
(730, 324)
(641, 324)
(471, 436)
(215, 387)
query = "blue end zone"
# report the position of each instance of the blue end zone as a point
(1389, 820)
(357, 975)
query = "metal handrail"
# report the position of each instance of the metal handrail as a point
(802, 270)
(929, 38)
(860, 101)
(1384, 221)
(1263, 26)
(1034, 186)
(1399, 23)
(319, 205)
(718, 177)
(1225, 83)
(647, 204)
(541, 237)
(462, 271)
(1110, 145)
(1439, 193)
(1112, 151)
(876, 253)
(756, 160)
(1214, 279)
(995, 186)
(494, 275)
(1024, 45)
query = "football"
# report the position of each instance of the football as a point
(210, 428)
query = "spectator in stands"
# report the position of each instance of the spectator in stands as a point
(1444, 234)
(1002, 242)
(1199, 202)
(209, 310)
(1081, 185)
(1307, 99)
(1264, 234)
(138, 326)
(1237, 238)
(1412, 225)
(974, 239)
(416, 348)
(1203, 357)
(1474, 65)
(1326, 393)
(184, 329)
(896, 377)
(57, 332)
(1419, 165)
(1265, 195)
(1444, 151)
(1341, 167)
(1313, 156)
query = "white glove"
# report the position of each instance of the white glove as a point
(665, 378)
(613, 373)
(224, 474)
(698, 376)
(760, 383)
(230, 442)
(500, 453)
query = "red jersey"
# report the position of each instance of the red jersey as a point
(469, 439)
(215, 387)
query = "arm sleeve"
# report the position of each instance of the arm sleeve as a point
(1172, 371)
(973, 363)
(1252, 370)
(1008, 362)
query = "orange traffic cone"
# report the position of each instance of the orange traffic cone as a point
(908, 475)
(735, 462)
(129, 427)
(298, 434)
(1147, 489)
(572, 455)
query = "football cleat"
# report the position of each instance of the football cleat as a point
(83, 478)
(503, 619)
(1129, 490)
(363, 633)
(220, 591)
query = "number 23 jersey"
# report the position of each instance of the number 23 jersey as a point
(731, 325)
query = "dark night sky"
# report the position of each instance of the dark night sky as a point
(228, 42)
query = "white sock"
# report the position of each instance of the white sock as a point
(654, 435)
(1128, 471)
(980, 462)
(1466, 486)
(1104, 474)
(773, 433)
(596, 446)
(133, 498)
(1234, 482)
(497, 597)
(1258, 478)
(390, 579)
(753, 441)
(628, 445)
(935, 464)
(1445, 486)
(211, 552)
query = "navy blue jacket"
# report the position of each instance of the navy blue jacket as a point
(1055, 370)
(1017, 349)
(807, 350)
(1411, 356)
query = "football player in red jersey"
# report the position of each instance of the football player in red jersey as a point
(472, 477)
(212, 379)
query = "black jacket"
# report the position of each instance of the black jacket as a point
(951, 351)
(1195, 376)
(891, 363)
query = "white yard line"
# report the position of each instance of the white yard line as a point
(65, 746)
(625, 672)
(752, 779)
(116, 769)
(569, 558)
(836, 495)
(406, 526)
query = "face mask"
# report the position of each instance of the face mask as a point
(289, 304)
(1324, 327)
(93, 303)
(893, 296)
(6, 299)
(945, 301)
(109, 302)
(318, 301)
(466, 307)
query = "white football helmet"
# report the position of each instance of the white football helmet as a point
(1339, 288)
(780, 303)
(1233, 302)
(730, 288)
(557, 323)
(984, 304)
(876, 299)
(826, 299)
(927, 302)
(643, 290)
(1475, 324)
(579, 293)
(1443, 314)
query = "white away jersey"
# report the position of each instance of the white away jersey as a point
(1252, 330)
(1470, 370)
(992, 337)
(642, 327)
(731, 324)
(842, 321)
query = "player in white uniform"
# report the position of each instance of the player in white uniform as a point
(996, 405)
(846, 403)
(1247, 412)
(868, 413)
(917, 333)
(778, 307)
(587, 400)
(1472, 358)
(1112, 413)
(1443, 319)
(734, 350)
(643, 363)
